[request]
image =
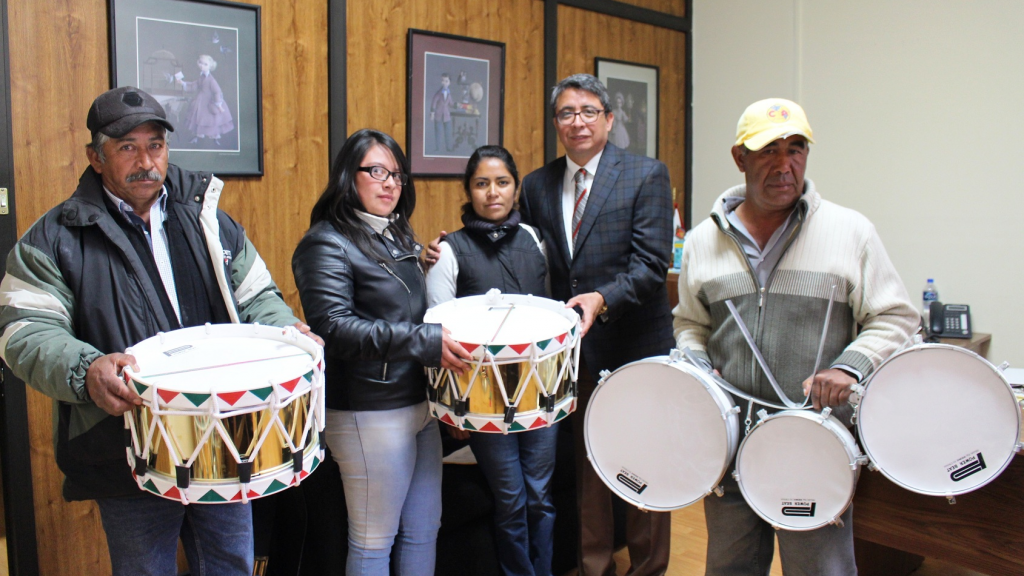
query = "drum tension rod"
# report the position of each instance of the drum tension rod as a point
(510, 414)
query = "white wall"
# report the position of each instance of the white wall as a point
(918, 111)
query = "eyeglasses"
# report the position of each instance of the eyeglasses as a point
(588, 115)
(381, 173)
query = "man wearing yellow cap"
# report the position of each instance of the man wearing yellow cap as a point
(775, 248)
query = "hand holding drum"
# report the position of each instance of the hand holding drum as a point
(106, 388)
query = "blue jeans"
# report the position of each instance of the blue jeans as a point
(142, 536)
(390, 463)
(740, 543)
(519, 468)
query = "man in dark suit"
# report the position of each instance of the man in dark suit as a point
(607, 218)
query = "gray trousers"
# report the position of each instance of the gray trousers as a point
(740, 543)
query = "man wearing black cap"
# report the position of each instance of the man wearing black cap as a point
(139, 248)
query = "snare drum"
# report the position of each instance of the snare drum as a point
(798, 469)
(660, 433)
(231, 412)
(938, 420)
(525, 356)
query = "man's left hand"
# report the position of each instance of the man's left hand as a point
(591, 303)
(305, 329)
(829, 388)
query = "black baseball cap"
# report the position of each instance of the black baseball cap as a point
(119, 111)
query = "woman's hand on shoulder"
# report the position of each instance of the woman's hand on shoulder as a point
(432, 253)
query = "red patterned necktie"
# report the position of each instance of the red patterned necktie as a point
(581, 202)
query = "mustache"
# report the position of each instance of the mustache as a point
(149, 175)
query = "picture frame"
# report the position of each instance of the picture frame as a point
(446, 122)
(201, 60)
(635, 128)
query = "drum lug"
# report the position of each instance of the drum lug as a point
(460, 408)
(675, 355)
(432, 394)
(861, 460)
(244, 472)
(719, 491)
(141, 466)
(510, 414)
(549, 403)
(951, 499)
(734, 410)
(873, 467)
(1002, 367)
(297, 461)
(762, 414)
(736, 475)
(183, 474)
(604, 374)
(838, 522)
(825, 413)
(1018, 448)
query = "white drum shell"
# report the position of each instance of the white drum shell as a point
(660, 433)
(798, 470)
(939, 420)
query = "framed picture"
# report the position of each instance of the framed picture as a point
(201, 60)
(456, 100)
(633, 89)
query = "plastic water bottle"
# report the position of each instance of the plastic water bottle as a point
(928, 295)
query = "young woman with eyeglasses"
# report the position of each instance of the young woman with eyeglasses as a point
(361, 286)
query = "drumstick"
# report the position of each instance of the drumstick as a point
(824, 332)
(510, 308)
(220, 365)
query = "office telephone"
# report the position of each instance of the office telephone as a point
(949, 320)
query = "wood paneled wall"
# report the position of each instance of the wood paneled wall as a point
(59, 64)
(584, 35)
(377, 56)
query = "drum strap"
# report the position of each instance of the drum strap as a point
(703, 366)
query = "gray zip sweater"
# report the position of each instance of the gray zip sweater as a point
(830, 245)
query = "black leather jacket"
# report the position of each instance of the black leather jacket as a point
(370, 315)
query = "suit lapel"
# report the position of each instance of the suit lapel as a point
(553, 180)
(604, 183)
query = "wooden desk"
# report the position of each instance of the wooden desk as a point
(895, 529)
(978, 343)
(983, 531)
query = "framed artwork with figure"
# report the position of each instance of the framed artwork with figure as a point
(201, 60)
(455, 100)
(633, 89)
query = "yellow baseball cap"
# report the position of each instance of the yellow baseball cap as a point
(765, 121)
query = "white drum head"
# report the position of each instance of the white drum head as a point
(508, 323)
(796, 472)
(939, 420)
(221, 358)
(657, 434)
